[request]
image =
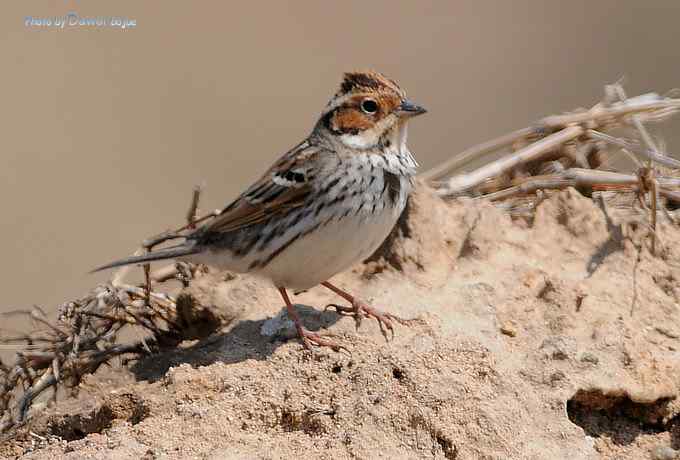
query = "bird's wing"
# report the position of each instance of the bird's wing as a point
(284, 186)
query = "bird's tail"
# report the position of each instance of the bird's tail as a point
(172, 252)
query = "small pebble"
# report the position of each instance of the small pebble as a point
(556, 377)
(664, 453)
(509, 329)
(589, 358)
(280, 325)
(559, 348)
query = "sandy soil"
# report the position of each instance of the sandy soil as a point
(556, 339)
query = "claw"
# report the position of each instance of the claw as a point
(347, 311)
(359, 310)
(385, 324)
(310, 339)
(340, 309)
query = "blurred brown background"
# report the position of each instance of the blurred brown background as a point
(104, 131)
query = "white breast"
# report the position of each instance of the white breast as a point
(330, 249)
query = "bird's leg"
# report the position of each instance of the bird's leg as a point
(308, 338)
(360, 309)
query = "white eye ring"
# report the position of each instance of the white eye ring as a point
(369, 106)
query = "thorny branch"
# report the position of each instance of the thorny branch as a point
(87, 332)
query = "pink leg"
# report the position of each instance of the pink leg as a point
(360, 309)
(308, 338)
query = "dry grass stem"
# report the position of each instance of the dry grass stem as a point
(574, 150)
(535, 151)
(475, 152)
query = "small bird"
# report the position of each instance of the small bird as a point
(323, 206)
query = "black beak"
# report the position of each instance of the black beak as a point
(409, 109)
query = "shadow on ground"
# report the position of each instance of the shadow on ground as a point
(242, 342)
(620, 419)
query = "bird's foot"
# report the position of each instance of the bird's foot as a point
(310, 339)
(361, 309)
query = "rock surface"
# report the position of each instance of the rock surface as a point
(555, 339)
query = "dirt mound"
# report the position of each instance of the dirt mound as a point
(552, 339)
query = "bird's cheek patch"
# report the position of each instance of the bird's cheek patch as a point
(350, 121)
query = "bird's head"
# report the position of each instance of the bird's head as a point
(368, 109)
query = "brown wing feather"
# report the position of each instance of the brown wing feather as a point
(243, 213)
(267, 196)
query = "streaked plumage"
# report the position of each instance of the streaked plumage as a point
(323, 206)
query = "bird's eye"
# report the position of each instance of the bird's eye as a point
(369, 106)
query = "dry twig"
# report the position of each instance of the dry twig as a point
(86, 334)
(569, 151)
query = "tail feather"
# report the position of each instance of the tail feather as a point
(162, 254)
